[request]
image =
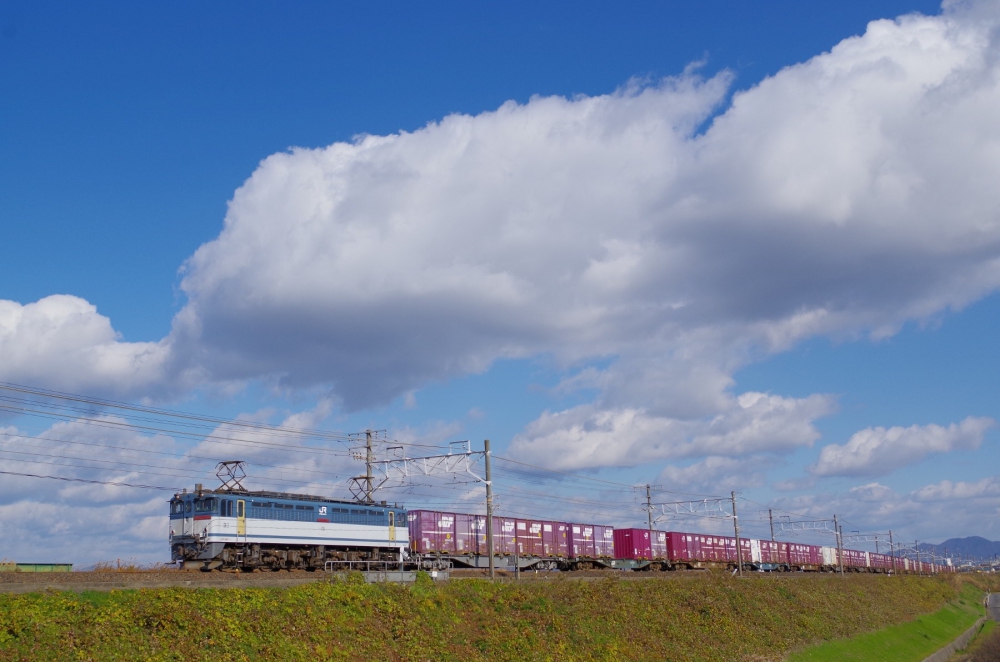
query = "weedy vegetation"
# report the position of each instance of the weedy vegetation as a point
(914, 640)
(679, 619)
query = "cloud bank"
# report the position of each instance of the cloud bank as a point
(878, 451)
(843, 196)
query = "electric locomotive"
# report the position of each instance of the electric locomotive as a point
(229, 529)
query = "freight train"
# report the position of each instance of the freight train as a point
(443, 539)
(227, 529)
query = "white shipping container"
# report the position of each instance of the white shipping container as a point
(829, 555)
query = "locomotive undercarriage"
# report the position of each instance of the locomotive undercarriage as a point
(253, 556)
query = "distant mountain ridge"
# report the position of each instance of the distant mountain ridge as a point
(973, 547)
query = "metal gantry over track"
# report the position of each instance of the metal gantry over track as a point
(395, 468)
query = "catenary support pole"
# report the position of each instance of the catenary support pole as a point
(770, 518)
(369, 458)
(841, 539)
(840, 548)
(489, 510)
(517, 554)
(736, 529)
(916, 548)
(649, 513)
(892, 552)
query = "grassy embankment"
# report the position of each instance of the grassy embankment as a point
(906, 642)
(685, 618)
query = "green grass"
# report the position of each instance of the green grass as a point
(682, 619)
(906, 642)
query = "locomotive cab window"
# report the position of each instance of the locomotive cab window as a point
(205, 505)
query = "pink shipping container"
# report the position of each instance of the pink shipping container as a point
(604, 541)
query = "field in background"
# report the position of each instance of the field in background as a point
(698, 618)
(914, 640)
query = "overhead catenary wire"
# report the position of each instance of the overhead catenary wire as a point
(92, 481)
(514, 477)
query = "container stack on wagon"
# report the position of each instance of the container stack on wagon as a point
(460, 539)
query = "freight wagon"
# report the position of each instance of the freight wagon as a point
(441, 539)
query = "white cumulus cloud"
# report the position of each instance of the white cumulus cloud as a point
(842, 196)
(878, 451)
(62, 342)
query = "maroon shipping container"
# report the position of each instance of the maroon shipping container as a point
(803, 555)
(710, 548)
(560, 547)
(503, 536)
(555, 541)
(746, 550)
(854, 558)
(465, 534)
(529, 538)
(679, 549)
(479, 535)
(432, 532)
(695, 548)
(636, 544)
(582, 543)
(632, 544)
(880, 561)
(604, 541)
(770, 552)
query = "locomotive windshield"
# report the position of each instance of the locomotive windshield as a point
(206, 505)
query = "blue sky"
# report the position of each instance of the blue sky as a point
(678, 274)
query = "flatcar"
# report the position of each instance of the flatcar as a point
(276, 530)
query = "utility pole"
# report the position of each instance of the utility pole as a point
(770, 518)
(840, 538)
(736, 529)
(489, 510)
(369, 458)
(517, 553)
(649, 514)
(840, 546)
(892, 552)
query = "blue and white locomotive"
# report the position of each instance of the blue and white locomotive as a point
(275, 530)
